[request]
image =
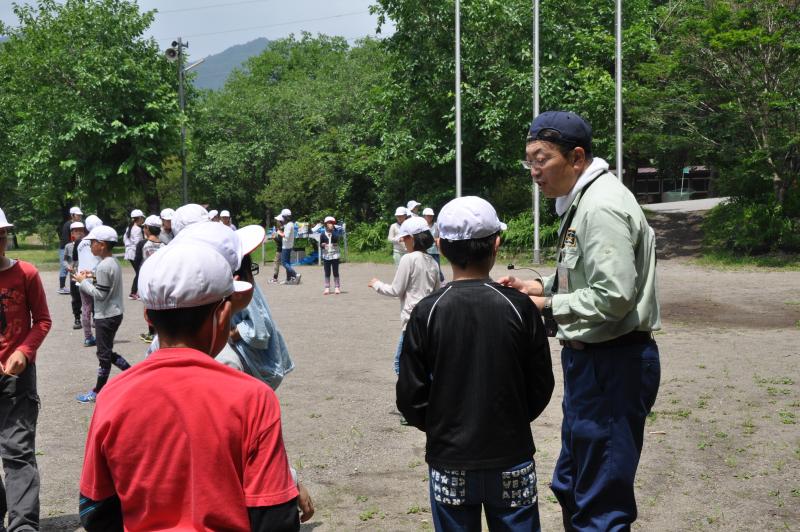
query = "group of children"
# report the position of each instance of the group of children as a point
(472, 361)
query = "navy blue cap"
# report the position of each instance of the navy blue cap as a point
(562, 127)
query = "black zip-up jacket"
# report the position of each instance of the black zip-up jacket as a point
(475, 370)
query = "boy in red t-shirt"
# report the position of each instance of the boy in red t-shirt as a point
(24, 323)
(180, 441)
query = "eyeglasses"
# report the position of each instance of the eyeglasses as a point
(538, 163)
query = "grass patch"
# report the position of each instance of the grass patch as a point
(787, 418)
(728, 261)
(370, 513)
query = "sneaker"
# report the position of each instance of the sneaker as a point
(403, 421)
(88, 397)
(326, 291)
(63, 291)
(146, 338)
(274, 280)
(297, 279)
(337, 291)
(133, 297)
(77, 325)
(90, 342)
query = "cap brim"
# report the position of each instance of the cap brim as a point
(251, 236)
(503, 226)
(6, 225)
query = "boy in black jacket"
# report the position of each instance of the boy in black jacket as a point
(476, 371)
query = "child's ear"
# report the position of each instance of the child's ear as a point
(146, 317)
(496, 245)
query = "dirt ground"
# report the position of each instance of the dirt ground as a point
(722, 448)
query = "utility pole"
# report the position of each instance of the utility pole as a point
(458, 99)
(179, 44)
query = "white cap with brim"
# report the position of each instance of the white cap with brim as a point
(329, 219)
(103, 233)
(467, 218)
(4, 223)
(76, 210)
(286, 213)
(219, 236)
(413, 204)
(401, 211)
(186, 275)
(428, 212)
(213, 213)
(251, 237)
(186, 215)
(225, 214)
(279, 218)
(93, 221)
(76, 225)
(413, 226)
(167, 214)
(137, 213)
(153, 221)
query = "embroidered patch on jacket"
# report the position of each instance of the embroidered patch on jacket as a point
(519, 486)
(449, 486)
(570, 240)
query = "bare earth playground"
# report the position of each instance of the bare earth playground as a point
(722, 446)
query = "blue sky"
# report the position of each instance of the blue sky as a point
(211, 26)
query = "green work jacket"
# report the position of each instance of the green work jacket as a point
(610, 255)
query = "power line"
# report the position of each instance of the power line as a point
(198, 8)
(277, 24)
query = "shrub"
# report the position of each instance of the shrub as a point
(366, 236)
(750, 228)
(519, 235)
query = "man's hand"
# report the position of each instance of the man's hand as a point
(532, 288)
(373, 281)
(304, 503)
(15, 364)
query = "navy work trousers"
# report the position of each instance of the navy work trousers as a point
(608, 393)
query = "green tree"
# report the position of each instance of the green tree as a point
(90, 106)
(295, 127)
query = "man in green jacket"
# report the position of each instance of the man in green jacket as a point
(602, 306)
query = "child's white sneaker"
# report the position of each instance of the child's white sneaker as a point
(337, 291)
(326, 291)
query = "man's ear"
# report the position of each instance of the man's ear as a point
(146, 317)
(496, 245)
(579, 157)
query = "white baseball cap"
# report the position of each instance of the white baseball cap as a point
(329, 219)
(93, 221)
(76, 225)
(225, 214)
(219, 236)
(213, 213)
(188, 214)
(103, 233)
(467, 218)
(153, 221)
(167, 214)
(76, 210)
(401, 211)
(428, 212)
(279, 218)
(184, 275)
(251, 237)
(412, 204)
(286, 213)
(137, 213)
(413, 226)
(4, 223)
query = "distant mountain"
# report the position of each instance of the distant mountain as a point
(212, 73)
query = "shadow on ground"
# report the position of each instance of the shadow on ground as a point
(678, 235)
(61, 523)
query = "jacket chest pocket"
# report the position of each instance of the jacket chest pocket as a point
(570, 257)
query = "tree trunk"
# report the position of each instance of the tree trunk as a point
(147, 184)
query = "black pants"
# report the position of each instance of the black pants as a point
(329, 265)
(135, 283)
(105, 331)
(19, 412)
(75, 294)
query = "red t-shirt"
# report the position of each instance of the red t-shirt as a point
(24, 316)
(187, 444)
